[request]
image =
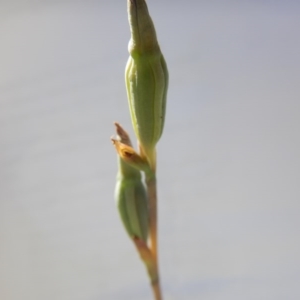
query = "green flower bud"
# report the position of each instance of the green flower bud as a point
(130, 193)
(146, 79)
(131, 200)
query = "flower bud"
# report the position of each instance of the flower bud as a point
(146, 77)
(131, 200)
(130, 193)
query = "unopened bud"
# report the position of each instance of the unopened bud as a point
(146, 77)
(130, 193)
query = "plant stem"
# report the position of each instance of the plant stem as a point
(152, 196)
(151, 188)
(156, 291)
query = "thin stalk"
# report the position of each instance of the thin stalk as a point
(156, 291)
(152, 196)
(148, 258)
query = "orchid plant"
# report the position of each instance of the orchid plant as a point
(146, 78)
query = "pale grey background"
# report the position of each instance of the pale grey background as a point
(229, 164)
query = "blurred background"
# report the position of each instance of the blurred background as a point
(228, 161)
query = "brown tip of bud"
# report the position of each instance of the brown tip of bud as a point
(122, 135)
(130, 156)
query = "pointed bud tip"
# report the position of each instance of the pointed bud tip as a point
(143, 35)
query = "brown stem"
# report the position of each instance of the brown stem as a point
(151, 188)
(149, 253)
(152, 196)
(156, 291)
(148, 259)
